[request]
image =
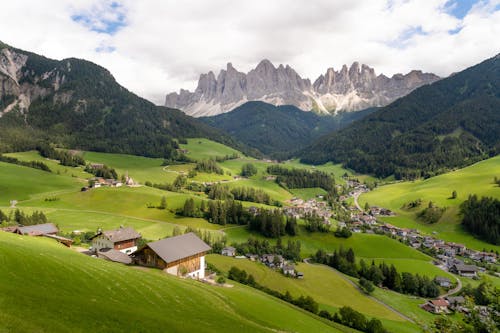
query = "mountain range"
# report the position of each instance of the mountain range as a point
(349, 89)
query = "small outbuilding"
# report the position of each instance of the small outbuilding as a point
(229, 251)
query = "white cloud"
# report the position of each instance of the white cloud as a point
(165, 45)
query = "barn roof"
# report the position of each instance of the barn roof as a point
(38, 229)
(114, 255)
(179, 247)
(119, 235)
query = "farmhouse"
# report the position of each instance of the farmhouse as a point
(180, 255)
(229, 251)
(122, 239)
(443, 282)
(464, 270)
(436, 306)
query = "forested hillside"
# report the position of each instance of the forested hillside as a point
(78, 104)
(279, 131)
(451, 123)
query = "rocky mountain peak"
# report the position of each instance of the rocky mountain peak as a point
(349, 89)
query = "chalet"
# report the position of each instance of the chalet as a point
(180, 255)
(289, 270)
(464, 270)
(37, 229)
(122, 239)
(459, 248)
(455, 301)
(96, 166)
(229, 251)
(273, 261)
(436, 306)
(443, 282)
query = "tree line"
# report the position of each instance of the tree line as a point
(301, 178)
(21, 218)
(223, 192)
(31, 164)
(270, 223)
(482, 217)
(209, 166)
(64, 157)
(380, 275)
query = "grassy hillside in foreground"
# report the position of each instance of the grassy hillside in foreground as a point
(475, 179)
(76, 293)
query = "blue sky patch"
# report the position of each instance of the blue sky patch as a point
(106, 18)
(404, 38)
(459, 8)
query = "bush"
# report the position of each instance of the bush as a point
(221, 280)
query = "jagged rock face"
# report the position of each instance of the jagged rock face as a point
(349, 89)
(19, 87)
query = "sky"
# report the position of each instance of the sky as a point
(153, 47)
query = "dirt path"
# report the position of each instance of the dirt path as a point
(356, 196)
(390, 308)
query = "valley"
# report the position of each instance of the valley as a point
(58, 194)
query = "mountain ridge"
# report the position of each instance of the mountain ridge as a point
(349, 89)
(78, 104)
(449, 124)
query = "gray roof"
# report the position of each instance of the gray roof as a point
(38, 229)
(442, 279)
(455, 299)
(179, 247)
(114, 255)
(466, 268)
(120, 235)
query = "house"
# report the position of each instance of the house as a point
(122, 239)
(289, 270)
(229, 251)
(464, 270)
(300, 275)
(114, 255)
(180, 255)
(37, 230)
(455, 301)
(443, 282)
(273, 261)
(436, 306)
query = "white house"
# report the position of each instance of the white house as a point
(122, 239)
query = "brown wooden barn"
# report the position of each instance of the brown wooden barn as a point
(180, 255)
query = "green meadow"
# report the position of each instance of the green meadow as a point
(76, 293)
(199, 149)
(327, 287)
(22, 183)
(475, 179)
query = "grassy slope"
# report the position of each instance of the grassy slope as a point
(54, 165)
(81, 294)
(199, 149)
(331, 293)
(475, 179)
(21, 183)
